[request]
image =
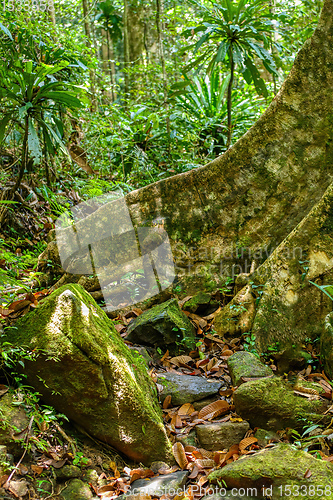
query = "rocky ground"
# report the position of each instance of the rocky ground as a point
(237, 428)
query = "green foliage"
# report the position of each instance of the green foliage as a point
(326, 289)
(238, 32)
(250, 343)
(80, 460)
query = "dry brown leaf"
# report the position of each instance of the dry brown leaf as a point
(219, 457)
(181, 360)
(3, 389)
(37, 469)
(194, 473)
(207, 454)
(180, 455)
(167, 402)
(165, 355)
(205, 463)
(186, 409)
(245, 443)
(218, 407)
(308, 474)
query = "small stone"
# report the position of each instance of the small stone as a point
(247, 365)
(156, 466)
(91, 476)
(19, 488)
(158, 486)
(189, 439)
(141, 354)
(220, 436)
(186, 388)
(264, 437)
(76, 490)
(164, 325)
(201, 303)
(68, 472)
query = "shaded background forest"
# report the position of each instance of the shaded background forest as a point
(117, 95)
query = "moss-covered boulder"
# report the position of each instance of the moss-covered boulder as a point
(87, 372)
(244, 364)
(326, 346)
(283, 471)
(201, 303)
(165, 326)
(271, 403)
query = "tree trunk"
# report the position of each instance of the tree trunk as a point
(24, 161)
(51, 11)
(229, 99)
(87, 29)
(159, 11)
(126, 50)
(238, 208)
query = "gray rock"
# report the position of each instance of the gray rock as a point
(164, 325)
(222, 435)
(141, 354)
(86, 371)
(186, 388)
(76, 490)
(158, 486)
(245, 364)
(68, 472)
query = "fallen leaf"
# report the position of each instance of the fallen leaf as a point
(308, 474)
(181, 360)
(167, 402)
(217, 408)
(245, 443)
(186, 409)
(37, 469)
(180, 455)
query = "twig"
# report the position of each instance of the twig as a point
(65, 436)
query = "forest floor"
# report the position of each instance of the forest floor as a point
(51, 443)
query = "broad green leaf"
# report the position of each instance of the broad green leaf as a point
(327, 289)
(222, 51)
(6, 31)
(64, 97)
(180, 85)
(23, 110)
